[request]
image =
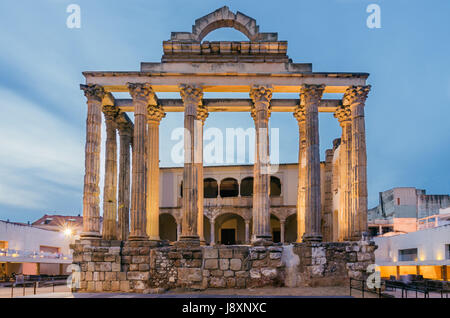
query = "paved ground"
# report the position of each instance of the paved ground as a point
(334, 292)
(64, 292)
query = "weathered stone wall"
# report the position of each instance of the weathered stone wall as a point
(332, 263)
(141, 267)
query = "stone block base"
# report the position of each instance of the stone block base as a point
(146, 267)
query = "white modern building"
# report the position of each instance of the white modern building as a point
(28, 250)
(425, 252)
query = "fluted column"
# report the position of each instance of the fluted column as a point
(355, 96)
(142, 95)
(154, 115)
(202, 114)
(310, 96)
(261, 96)
(125, 133)
(247, 231)
(299, 114)
(192, 98)
(91, 191)
(345, 219)
(110, 186)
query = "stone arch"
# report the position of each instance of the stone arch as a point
(229, 221)
(210, 188)
(290, 235)
(275, 228)
(229, 187)
(247, 187)
(167, 227)
(224, 18)
(275, 186)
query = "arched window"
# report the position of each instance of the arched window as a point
(275, 186)
(247, 187)
(229, 187)
(210, 188)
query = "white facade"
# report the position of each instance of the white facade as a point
(22, 247)
(432, 247)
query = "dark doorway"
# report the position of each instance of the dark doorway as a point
(228, 236)
(276, 236)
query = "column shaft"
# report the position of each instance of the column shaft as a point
(142, 95)
(110, 185)
(247, 232)
(155, 113)
(192, 97)
(310, 96)
(91, 208)
(125, 132)
(355, 96)
(261, 97)
(299, 114)
(282, 230)
(213, 234)
(202, 114)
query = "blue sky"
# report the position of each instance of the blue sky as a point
(42, 131)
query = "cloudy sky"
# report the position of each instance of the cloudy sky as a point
(42, 129)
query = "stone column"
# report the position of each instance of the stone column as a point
(247, 231)
(355, 96)
(327, 213)
(110, 186)
(178, 230)
(343, 114)
(282, 230)
(154, 115)
(299, 114)
(261, 96)
(91, 208)
(202, 114)
(125, 133)
(192, 98)
(142, 95)
(213, 234)
(310, 96)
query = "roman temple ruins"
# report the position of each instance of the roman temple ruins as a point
(202, 227)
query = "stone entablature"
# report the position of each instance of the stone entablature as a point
(225, 51)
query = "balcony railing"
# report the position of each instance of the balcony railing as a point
(5, 252)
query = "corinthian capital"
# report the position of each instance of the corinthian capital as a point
(155, 113)
(202, 113)
(300, 113)
(343, 113)
(110, 112)
(261, 93)
(311, 93)
(356, 94)
(93, 91)
(142, 92)
(191, 94)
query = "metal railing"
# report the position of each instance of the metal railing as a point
(361, 285)
(36, 283)
(420, 286)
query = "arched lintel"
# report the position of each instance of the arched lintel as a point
(224, 18)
